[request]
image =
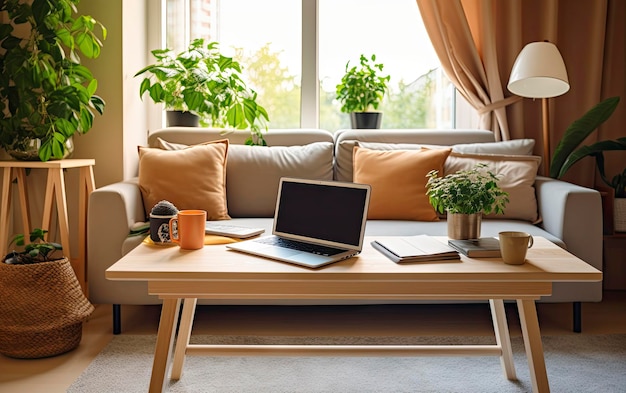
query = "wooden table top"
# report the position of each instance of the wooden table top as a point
(545, 262)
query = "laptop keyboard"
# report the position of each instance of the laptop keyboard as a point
(300, 246)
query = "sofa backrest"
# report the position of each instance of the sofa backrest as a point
(345, 141)
(252, 172)
(277, 137)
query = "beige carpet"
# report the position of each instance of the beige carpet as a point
(575, 363)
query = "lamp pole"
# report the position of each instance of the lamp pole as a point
(546, 137)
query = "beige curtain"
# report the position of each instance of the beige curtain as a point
(477, 42)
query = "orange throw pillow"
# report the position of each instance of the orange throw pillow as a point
(398, 180)
(191, 178)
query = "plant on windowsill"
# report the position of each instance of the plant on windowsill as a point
(46, 95)
(42, 306)
(465, 196)
(203, 82)
(568, 153)
(361, 91)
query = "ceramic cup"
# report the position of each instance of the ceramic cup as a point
(160, 228)
(514, 245)
(187, 229)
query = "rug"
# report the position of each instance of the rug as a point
(575, 363)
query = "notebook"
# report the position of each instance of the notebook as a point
(316, 223)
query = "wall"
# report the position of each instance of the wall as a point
(115, 136)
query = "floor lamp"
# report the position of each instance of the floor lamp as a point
(539, 72)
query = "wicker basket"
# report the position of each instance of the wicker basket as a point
(42, 308)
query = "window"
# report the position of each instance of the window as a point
(269, 42)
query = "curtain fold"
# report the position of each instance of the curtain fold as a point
(477, 42)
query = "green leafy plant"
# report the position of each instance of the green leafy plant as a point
(45, 92)
(566, 153)
(466, 192)
(362, 88)
(204, 82)
(38, 250)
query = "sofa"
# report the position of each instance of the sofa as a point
(568, 215)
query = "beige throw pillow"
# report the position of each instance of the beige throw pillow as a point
(398, 180)
(190, 178)
(517, 177)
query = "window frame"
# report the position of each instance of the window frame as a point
(310, 88)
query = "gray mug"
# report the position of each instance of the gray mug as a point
(160, 229)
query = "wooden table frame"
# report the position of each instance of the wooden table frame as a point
(179, 276)
(55, 196)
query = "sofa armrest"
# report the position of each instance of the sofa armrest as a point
(113, 210)
(573, 214)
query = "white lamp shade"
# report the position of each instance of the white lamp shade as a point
(539, 72)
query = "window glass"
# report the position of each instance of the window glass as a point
(419, 95)
(266, 38)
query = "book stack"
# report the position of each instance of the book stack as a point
(485, 247)
(420, 248)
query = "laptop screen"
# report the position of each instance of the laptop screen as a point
(323, 210)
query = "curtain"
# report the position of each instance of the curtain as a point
(477, 42)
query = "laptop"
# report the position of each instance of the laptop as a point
(316, 222)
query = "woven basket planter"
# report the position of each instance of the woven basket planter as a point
(42, 308)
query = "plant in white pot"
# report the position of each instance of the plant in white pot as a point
(568, 152)
(203, 82)
(46, 94)
(361, 91)
(42, 306)
(465, 196)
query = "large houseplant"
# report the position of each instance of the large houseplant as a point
(568, 152)
(202, 81)
(46, 95)
(42, 306)
(361, 91)
(465, 196)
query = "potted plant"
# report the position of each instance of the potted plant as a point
(568, 152)
(203, 82)
(361, 91)
(46, 95)
(42, 306)
(465, 196)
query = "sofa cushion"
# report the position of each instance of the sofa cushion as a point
(190, 178)
(260, 168)
(517, 177)
(512, 147)
(398, 180)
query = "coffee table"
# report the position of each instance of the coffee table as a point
(214, 272)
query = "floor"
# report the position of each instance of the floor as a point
(55, 374)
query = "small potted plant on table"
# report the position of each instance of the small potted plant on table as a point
(465, 196)
(42, 306)
(361, 91)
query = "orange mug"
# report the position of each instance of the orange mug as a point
(187, 229)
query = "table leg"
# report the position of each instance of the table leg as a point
(532, 343)
(503, 339)
(20, 176)
(184, 333)
(163, 348)
(85, 188)
(5, 208)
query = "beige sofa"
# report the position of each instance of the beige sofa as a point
(567, 214)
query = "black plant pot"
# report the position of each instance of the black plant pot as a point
(180, 118)
(368, 120)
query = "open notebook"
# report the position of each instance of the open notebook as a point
(316, 222)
